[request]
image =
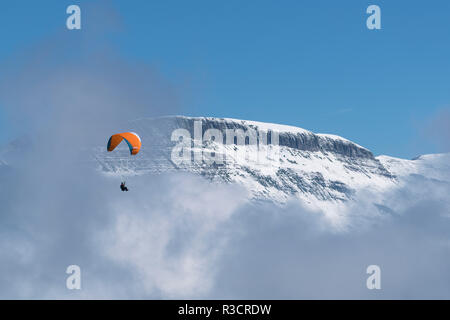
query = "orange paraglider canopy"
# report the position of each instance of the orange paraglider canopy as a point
(131, 138)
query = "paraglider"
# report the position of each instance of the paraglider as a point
(134, 144)
(123, 187)
(131, 138)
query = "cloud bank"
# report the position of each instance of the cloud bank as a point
(180, 236)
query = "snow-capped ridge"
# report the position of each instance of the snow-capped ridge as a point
(289, 136)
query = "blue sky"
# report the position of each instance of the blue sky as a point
(311, 64)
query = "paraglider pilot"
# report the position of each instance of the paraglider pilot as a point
(123, 187)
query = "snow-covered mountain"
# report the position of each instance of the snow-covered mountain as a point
(272, 162)
(319, 169)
